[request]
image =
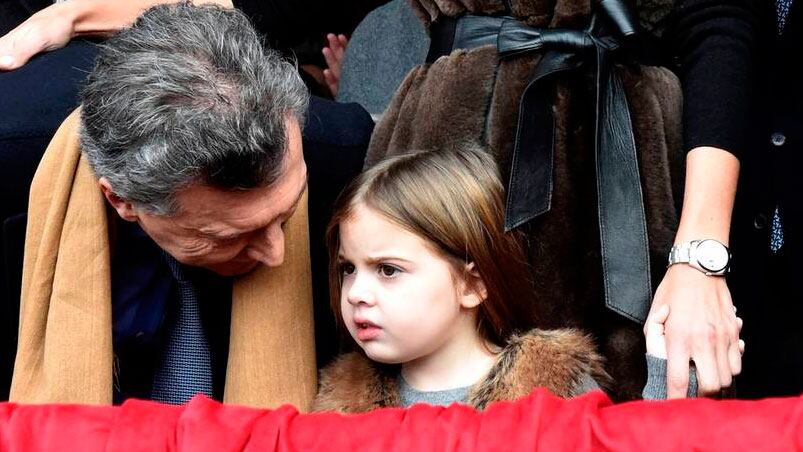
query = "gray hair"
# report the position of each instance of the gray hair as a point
(188, 95)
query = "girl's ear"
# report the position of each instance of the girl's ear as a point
(474, 291)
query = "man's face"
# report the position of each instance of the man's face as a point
(231, 232)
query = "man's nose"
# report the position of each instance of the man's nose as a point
(268, 247)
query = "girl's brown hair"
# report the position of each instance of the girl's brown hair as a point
(453, 199)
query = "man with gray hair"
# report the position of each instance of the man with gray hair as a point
(193, 133)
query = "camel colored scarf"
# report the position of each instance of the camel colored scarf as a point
(65, 343)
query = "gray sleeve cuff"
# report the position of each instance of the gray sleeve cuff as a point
(586, 384)
(655, 389)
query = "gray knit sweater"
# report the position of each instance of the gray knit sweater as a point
(655, 389)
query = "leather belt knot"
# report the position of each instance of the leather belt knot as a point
(622, 223)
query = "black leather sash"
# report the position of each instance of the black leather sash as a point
(622, 224)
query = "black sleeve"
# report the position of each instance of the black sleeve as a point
(286, 23)
(715, 44)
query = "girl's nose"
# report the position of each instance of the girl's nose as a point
(359, 290)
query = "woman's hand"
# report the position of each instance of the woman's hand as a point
(333, 54)
(693, 316)
(48, 29)
(701, 323)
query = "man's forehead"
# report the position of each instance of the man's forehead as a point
(204, 207)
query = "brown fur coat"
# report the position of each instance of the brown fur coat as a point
(471, 97)
(557, 360)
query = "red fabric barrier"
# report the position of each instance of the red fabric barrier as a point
(540, 422)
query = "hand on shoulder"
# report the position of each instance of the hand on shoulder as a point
(53, 27)
(48, 29)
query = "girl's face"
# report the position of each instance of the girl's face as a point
(400, 300)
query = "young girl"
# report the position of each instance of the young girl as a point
(436, 294)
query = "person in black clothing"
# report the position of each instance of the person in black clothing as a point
(741, 77)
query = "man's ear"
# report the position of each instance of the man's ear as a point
(124, 208)
(474, 290)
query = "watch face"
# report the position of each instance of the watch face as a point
(712, 255)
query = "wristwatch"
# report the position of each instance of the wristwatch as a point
(708, 256)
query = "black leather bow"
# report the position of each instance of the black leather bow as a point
(622, 224)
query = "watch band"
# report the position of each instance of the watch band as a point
(681, 253)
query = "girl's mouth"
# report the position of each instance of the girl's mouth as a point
(366, 330)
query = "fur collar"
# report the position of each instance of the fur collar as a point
(554, 359)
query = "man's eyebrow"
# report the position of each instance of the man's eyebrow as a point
(220, 235)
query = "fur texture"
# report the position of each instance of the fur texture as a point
(556, 359)
(472, 97)
(652, 14)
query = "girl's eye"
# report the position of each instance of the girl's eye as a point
(346, 269)
(388, 271)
